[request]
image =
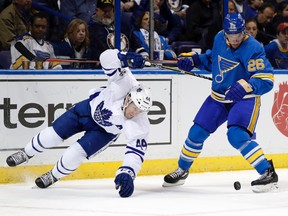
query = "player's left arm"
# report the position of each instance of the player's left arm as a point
(262, 78)
(260, 82)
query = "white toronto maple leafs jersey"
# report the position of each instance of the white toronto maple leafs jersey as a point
(106, 110)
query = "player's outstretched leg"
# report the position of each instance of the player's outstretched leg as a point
(46, 180)
(17, 158)
(267, 182)
(68, 163)
(46, 139)
(175, 178)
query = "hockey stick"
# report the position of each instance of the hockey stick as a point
(31, 57)
(163, 61)
(184, 72)
(24, 51)
(200, 76)
(71, 60)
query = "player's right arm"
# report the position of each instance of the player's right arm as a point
(202, 61)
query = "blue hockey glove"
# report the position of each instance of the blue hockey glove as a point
(125, 181)
(185, 64)
(131, 59)
(188, 64)
(238, 90)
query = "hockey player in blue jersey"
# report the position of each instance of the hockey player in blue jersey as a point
(241, 74)
(120, 107)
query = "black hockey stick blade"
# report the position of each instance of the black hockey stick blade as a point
(24, 51)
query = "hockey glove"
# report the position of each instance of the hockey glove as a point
(131, 59)
(238, 90)
(188, 64)
(185, 64)
(125, 181)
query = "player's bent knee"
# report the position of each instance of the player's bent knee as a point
(198, 134)
(237, 136)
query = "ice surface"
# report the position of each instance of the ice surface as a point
(202, 194)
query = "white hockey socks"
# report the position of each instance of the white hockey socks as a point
(70, 161)
(44, 140)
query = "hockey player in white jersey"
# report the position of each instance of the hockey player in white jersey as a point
(120, 107)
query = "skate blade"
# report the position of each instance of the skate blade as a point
(273, 187)
(180, 182)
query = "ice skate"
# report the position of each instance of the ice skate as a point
(175, 178)
(268, 182)
(45, 180)
(17, 158)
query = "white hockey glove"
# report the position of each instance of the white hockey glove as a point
(125, 181)
(238, 90)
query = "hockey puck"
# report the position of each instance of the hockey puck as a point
(237, 185)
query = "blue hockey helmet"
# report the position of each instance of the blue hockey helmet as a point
(234, 24)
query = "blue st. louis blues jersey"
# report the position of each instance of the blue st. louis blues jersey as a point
(229, 65)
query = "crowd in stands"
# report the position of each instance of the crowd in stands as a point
(83, 29)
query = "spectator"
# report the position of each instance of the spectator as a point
(141, 37)
(75, 44)
(14, 21)
(51, 8)
(251, 27)
(127, 5)
(264, 23)
(232, 7)
(35, 43)
(239, 5)
(282, 14)
(277, 50)
(203, 21)
(251, 9)
(169, 25)
(179, 8)
(81, 9)
(127, 8)
(102, 30)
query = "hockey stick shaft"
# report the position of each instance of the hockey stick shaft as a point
(163, 61)
(185, 72)
(30, 56)
(200, 76)
(72, 60)
(24, 51)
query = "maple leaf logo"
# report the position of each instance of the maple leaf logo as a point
(280, 109)
(102, 116)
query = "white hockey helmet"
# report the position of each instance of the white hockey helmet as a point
(141, 97)
(109, 59)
